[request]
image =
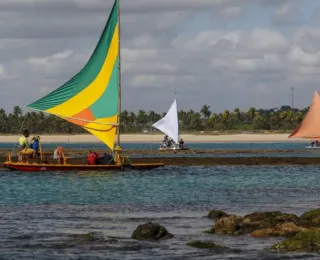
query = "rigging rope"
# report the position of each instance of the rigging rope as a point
(15, 144)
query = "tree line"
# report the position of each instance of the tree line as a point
(284, 118)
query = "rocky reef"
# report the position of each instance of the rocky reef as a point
(302, 233)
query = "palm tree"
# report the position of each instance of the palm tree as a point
(251, 114)
(17, 111)
(236, 114)
(3, 121)
(189, 120)
(205, 111)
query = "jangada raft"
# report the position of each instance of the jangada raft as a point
(309, 128)
(169, 125)
(92, 100)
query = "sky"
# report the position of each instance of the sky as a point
(223, 53)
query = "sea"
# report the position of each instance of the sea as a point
(41, 214)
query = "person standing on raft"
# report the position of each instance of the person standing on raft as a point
(24, 146)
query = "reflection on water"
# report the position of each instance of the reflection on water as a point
(92, 216)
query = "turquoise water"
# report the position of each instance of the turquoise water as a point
(200, 146)
(298, 147)
(40, 212)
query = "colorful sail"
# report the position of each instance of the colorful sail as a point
(90, 98)
(169, 124)
(310, 126)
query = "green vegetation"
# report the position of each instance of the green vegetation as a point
(306, 241)
(284, 119)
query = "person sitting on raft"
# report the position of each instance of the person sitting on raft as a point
(24, 146)
(92, 158)
(58, 154)
(181, 143)
(35, 144)
(164, 142)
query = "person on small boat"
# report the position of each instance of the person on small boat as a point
(312, 143)
(165, 142)
(24, 146)
(181, 143)
(315, 143)
(92, 158)
(58, 154)
(35, 144)
(106, 159)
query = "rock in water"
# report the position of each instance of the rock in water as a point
(233, 225)
(151, 231)
(305, 241)
(216, 214)
(270, 217)
(285, 229)
(265, 220)
(205, 244)
(227, 225)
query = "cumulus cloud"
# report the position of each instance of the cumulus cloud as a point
(225, 53)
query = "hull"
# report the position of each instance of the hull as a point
(26, 167)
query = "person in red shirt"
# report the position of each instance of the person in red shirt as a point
(92, 158)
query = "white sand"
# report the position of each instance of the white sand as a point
(145, 138)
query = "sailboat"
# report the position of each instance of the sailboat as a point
(92, 100)
(309, 128)
(169, 125)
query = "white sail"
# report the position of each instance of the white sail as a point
(169, 124)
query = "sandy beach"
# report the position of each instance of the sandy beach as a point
(145, 138)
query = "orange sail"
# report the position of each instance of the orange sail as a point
(310, 126)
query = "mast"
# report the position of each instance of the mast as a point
(119, 77)
(292, 97)
(175, 97)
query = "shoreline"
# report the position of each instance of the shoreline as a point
(148, 138)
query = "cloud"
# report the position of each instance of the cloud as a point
(225, 53)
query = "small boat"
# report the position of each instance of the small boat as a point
(169, 125)
(309, 128)
(92, 100)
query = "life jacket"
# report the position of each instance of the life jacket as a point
(35, 145)
(92, 158)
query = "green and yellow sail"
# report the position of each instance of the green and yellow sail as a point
(90, 99)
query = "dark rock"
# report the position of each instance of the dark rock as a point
(270, 217)
(205, 244)
(150, 231)
(305, 241)
(217, 214)
(85, 237)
